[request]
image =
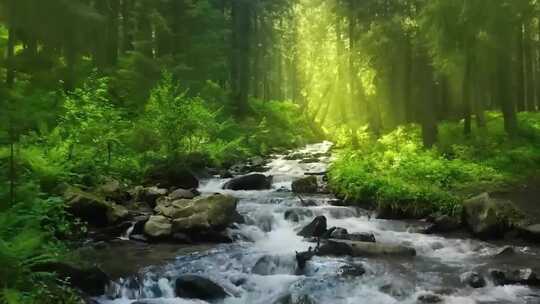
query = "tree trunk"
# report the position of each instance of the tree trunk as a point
(444, 102)
(353, 94)
(407, 83)
(520, 71)
(241, 25)
(340, 79)
(428, 110)
(466, 94)
(504, 93)
(530, 89)
(12, 175)
(145, 40)
(100, 46)
(257, 60)
(10, 71)
(113, 32)
(127, 26)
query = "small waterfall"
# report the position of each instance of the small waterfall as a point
(125, 236)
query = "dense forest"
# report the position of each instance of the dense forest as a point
(427, 102)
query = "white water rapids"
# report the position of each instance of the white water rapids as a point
(436, 269)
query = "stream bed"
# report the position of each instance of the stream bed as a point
(267, 236)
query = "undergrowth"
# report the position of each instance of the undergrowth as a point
(396, 172)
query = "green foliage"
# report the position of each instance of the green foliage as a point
(178, 126)
(396, 171)
(29, 232)
(180, 122)
(279, 124)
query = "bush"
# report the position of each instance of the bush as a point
(396, 172)
(28, 235)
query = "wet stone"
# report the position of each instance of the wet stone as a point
(429, 299)
(473, 279)
(354, 270)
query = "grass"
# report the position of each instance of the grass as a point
(396, 173)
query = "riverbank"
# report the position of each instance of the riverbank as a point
(397, 175)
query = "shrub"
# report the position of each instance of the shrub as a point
(396, 171)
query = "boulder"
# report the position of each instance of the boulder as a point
(473, 279)
(197, 287)
(158, 227)
(353, 270)
(362, 249)
(113, 190)
(183, 194)
(211, 213)
(170, 209)
(249, 182)
(487, 217)
(524, 276)
(116, 213)
(444, 224)
(531, 232)
(172, 176)
(305, 185)
(316, 228)
(89, 207)
(150, 195)
(90, 280)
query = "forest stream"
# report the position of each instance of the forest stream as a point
(260, 266)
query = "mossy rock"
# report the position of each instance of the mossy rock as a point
(488, 217)
(93, 208)
(305, 185)
(214, 212)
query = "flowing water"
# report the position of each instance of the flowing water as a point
(268, 236)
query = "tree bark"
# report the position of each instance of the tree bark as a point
(257, 60)
(12, 175)
(428, 110)
(530, 89)
(113, 32)
(407, 84)
(340, 79)
(466, 94)
(520, 71)
(241, 27)
(127, 26)
(10, 71)
(505, 100)
(353, 87)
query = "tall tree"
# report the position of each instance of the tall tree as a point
(240, 71)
